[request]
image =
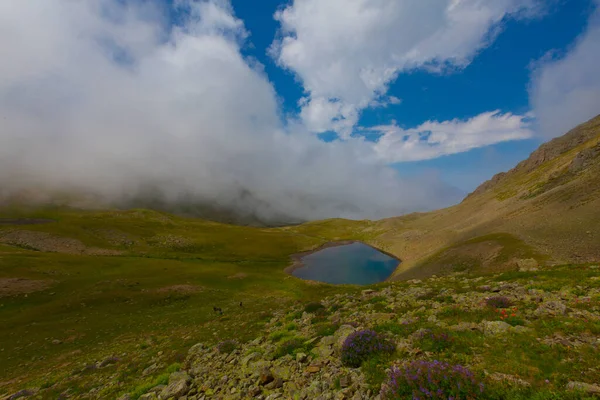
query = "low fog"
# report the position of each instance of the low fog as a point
(111, 103)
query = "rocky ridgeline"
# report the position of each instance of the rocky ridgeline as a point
(299, 356)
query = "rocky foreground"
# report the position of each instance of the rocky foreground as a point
(519, 332)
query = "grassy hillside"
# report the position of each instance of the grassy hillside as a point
(98, 284)
(545, 208)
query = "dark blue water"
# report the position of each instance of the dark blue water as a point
(354, 263)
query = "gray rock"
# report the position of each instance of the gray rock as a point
(584, 387)
(465, 326)
(301, 357)
(178, 385)
(23, 393)
(526, 265)
(251, 357)
(551, 308)
(494, 328)
(510, 379)
(266, 376)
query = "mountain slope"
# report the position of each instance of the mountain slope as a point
(546, 208)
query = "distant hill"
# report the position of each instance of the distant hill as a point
(547, 208)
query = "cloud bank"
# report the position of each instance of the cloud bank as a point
(106, 97)
(433, 139)
(565, 91)
(346, 52)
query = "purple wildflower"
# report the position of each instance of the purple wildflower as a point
(431, 380)
(360, 345)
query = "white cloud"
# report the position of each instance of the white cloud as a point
(106, 97)
(433, 139)
(566, 91)
(346, 52)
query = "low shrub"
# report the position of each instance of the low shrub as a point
(326, 329)
(314, 308)
(361, 345)
(227, 346)
(435, 341)
(291, 347)
(278, 335)
(291, 326)
(499, 302)
(431, 380)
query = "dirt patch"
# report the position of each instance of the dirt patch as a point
(16, 286)
(42, 241)
(184, 289)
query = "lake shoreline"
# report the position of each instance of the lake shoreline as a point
(297, 257)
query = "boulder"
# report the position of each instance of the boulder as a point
(584, 387)
(342, 334)
(550, 308)
(494, 328)
(178, 385)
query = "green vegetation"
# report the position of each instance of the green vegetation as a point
(155, 294)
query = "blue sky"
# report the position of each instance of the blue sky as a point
(497, 78)
(305, 108)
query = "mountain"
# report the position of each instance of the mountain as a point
(547, 209)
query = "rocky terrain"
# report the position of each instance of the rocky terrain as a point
(531, 331)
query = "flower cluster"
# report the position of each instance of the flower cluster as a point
(499, 302)
(431, 380)
(360, 345)
(227, 346)
(505, 314)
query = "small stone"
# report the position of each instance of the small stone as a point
(251, 357)
(344, 382)
(266, 376)
(465, 326)
(56, 341)
(301, 357)
(510, 379)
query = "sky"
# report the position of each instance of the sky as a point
(300, 109)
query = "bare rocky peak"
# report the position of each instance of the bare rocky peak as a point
(552, 149)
